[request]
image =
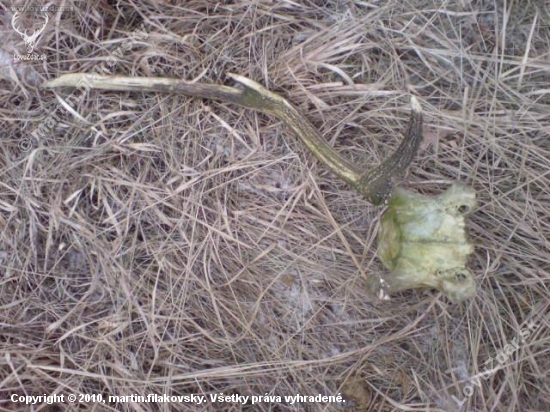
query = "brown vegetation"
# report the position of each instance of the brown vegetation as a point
(152, 243)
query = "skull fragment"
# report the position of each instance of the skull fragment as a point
(423, 242)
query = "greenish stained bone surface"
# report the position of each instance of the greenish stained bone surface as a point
(423, 242)
(422, 239)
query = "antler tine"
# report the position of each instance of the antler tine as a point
(377, 184)
(13, 20)
(37, 33)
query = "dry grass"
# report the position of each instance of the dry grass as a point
(158, 244)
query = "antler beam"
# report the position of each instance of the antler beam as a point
(375, 185)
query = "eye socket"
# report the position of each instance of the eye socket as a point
(460, 276)
(462, 209)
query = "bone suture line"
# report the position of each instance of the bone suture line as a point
(375, 185)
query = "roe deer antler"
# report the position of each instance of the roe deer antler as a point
(422, 240)
(375, 185)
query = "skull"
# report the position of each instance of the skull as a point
(422, 240)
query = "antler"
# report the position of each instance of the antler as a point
(375, 185)
(34, 36)
(13, 19)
